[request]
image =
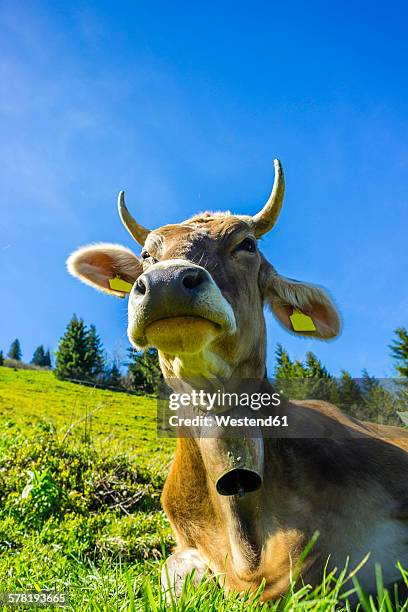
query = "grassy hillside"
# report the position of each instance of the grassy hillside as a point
(28, 397)
(81, 472)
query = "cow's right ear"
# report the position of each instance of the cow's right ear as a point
(110, 268)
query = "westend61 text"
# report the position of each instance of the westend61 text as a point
(222, 420)
(208, 401)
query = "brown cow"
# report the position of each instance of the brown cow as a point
(244, 509)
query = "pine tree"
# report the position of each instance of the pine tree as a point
(144, 370)
(399, 351)
(284, 368)
(350, 394)
(15, 350)
(314, 367)
(370, 390)
(321, 385)
(368, 383)
(95, 355)
(290, 374)
(38, 356)
(113, 377)
(1, 358)
(80, 353)
(72, 360)
(47, 359)
(381, 403)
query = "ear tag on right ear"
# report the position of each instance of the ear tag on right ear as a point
(301, 322)
(118, 284)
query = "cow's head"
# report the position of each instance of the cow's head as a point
(197, 290)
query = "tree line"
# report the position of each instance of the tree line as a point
(366, 397)
(41, 357)
(80, 357)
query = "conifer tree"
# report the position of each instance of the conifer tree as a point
(399, 351)
(95, 355)
(285, 368)
(369, 383)
(314, 367)
(350, 394)
(321, 384)
(47, 359)
(113, 377)
(72, 354)
(38, 356)
(371, 390)
(15, 350)
(80, 353)
(290, 374)
(144, 370)
(1, 358)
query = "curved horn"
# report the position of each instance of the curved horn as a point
(138, 232)
(263, 221)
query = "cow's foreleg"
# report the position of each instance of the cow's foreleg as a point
(178, 567)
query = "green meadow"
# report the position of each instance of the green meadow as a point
(81, 473)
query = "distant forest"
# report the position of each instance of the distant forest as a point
(81, 358)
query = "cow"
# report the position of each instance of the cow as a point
(243, 510)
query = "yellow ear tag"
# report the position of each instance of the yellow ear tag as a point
(301, 322)
(118, 284)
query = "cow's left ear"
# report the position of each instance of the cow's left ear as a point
(301, 308)
(111, 268)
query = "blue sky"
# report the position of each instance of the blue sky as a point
(185, 105)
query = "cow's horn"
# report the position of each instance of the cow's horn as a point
(263, 221)
(138, 232)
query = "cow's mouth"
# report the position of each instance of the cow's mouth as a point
(181, 334)
(177, 307)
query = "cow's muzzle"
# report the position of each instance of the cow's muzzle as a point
(177, 307)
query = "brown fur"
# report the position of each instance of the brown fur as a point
(339, 487)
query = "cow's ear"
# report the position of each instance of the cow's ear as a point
(303, 309)
(111, 268)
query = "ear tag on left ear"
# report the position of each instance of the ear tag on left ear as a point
(301, 322)
(118, 284)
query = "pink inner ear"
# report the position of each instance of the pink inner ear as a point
(94, 274)
(283, 312)
(101, 262)
(98, 268)
(325, 319)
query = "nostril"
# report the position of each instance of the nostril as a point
(140, 286)
(193, 279)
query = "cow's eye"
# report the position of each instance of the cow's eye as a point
(248, 245)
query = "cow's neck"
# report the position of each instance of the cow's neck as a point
(223, 528)
(244, 533)
(239, 515)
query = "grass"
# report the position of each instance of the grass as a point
(81, 472)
